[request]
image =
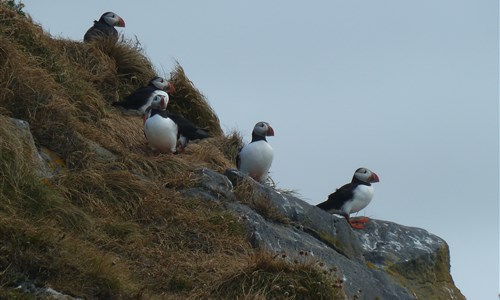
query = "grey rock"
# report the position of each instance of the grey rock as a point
(22, 129)
(296, 245)
(211, 185)
(383, 261)
(100, 153)
(46, 163)
(29, 288)
(417, 258)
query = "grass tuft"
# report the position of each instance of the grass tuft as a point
(259, 201)
(191, 103)
(269, 276)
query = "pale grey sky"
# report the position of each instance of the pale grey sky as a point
(407, 89)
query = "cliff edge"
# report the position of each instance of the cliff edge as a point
(87, 212)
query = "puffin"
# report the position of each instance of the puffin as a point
(167, 132)
(104, 28)
(352, 197)
(142, 97)
(255, 159)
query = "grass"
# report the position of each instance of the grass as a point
(111, 222)
(259, 201)
(274, 277)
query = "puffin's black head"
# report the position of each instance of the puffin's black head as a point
(160, 101)
(112, 19)
(162, 84)
(263, 129)
(365, 175)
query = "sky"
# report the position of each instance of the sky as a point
(408, 89)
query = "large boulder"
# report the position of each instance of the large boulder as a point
(383, 261)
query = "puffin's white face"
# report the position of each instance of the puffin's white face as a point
(159, 83)
(113, 19)
(263, 129)
(366, 175)
(160, 101)
(162, 84)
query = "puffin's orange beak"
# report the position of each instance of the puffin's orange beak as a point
(163, 103)
(374, 178)
(120, 22)
(170, 88)
(270, 131)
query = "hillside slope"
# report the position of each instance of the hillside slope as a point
(88, 211)
(106, 219)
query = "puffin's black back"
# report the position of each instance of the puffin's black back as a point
(137, 99)
(338, 198)
(100, 30)
(185, 127)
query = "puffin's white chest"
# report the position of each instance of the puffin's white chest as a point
(256, 159)
(161, 133)
(362, 195)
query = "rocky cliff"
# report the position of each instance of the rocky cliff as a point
(383, 261)
(86, 211)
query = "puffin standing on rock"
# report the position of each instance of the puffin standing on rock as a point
(255, 159)
(167, 132)
(352, 197)
(104, 28)
(142, 98)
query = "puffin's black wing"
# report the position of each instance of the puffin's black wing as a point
(238, 159)
(100, 30)
(187, 128)
(137, 99)
(338, 198)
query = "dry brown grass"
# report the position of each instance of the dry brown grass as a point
(268, 276)
(191, 103)
(112, 224)
(258, 200)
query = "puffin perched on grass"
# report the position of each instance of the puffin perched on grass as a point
(352, 197)
(255, 159)
(142, 98)
(167, 132)
(104, 28)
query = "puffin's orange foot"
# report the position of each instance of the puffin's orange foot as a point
(360, 220)
(356, 225)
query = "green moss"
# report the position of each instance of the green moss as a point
(424, 279)
(370, 265)
(328, 239)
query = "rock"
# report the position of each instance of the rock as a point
(413, 256)
(23, 132)
(100, 153)
(383, 261)
(30, 289)
(52, 161)
(46, 162)
(211, 185)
